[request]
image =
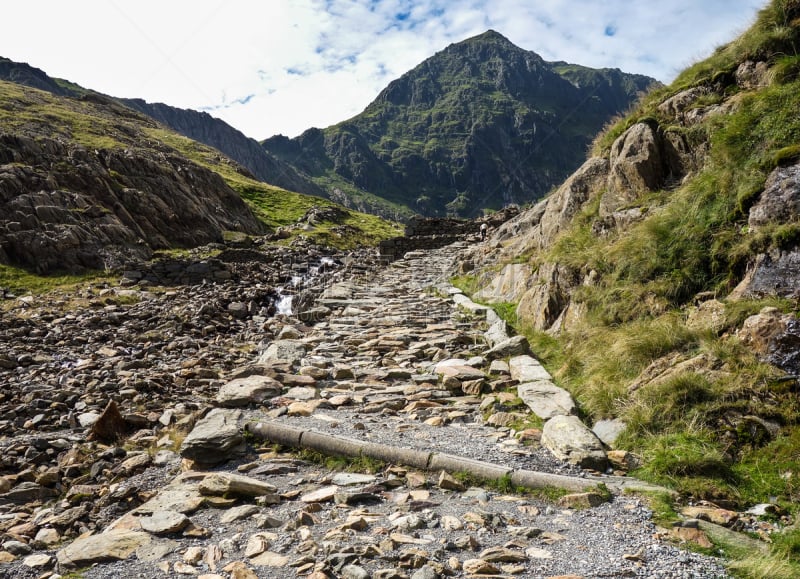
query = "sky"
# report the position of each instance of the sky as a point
(270, 67)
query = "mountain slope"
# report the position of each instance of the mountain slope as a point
(213, 132)
(480, 124)
(195, 125)
(660, 282)
(88, 183)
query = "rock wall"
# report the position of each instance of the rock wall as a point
(426, 233)
(66, 208)
(176, 272)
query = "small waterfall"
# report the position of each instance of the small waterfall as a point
(283, 305)
(285, 298)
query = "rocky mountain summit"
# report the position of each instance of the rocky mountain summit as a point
(481, 124)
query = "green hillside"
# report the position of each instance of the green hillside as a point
(654, 333)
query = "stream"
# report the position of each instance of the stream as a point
(305, 276)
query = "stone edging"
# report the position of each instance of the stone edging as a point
(434, 461)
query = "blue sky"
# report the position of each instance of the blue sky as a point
(281, 66)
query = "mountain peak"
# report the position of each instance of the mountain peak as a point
(490, 40)
(490, 36)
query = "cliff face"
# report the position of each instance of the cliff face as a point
(479, 125)
(66, 206)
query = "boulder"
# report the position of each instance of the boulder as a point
(215, 438)
(283, 351)
(516, 346)
(570, 439)
(249, 390)
(230, 484)
(636, 165)
(542, 304)
(112, 546)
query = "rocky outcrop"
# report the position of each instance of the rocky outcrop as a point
(66, 208)
(779, 202)
(775, 337)
(549, 292)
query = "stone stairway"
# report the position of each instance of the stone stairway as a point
(397, 370)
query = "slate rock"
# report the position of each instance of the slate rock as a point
(215, 438)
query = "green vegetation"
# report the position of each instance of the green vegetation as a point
(277, 207)
(363, 464)
(20, 281)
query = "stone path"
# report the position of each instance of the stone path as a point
(395, 364)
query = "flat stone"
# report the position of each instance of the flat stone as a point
(38, 560)
(322, 495)
(224, 484)
(292, 380)
(545, 399)
(481, 567)
(238, 513)
(502, 555)
(527, 369)
(164, 522)
(248, 390)
(582, 500)
(609, 430)
(177, 496)
(349, 478)
(459, 371)
(270, 559)
(537, 553)
(112, 546)
(302, 393)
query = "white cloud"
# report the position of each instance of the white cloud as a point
(282, 66)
